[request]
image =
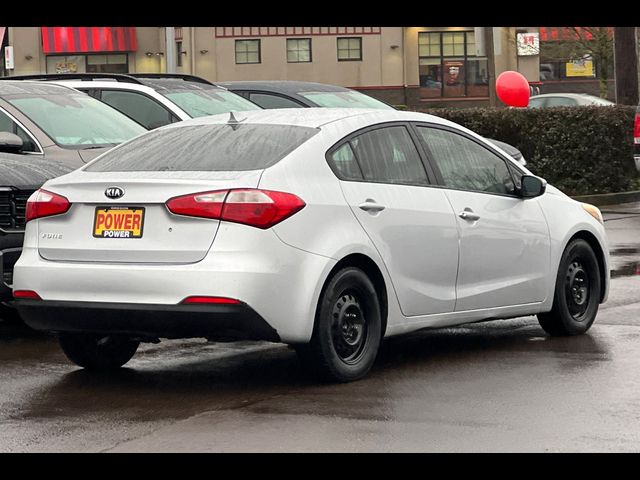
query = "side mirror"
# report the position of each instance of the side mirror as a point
(532, 186)
(10, 142)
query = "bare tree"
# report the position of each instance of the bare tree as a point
(596, 42)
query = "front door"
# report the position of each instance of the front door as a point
(504, 239)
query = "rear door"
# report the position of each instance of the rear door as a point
(411, 224)
(504, 238)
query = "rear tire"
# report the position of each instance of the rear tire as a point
(97, 352)
(577, 293)
(347, 330)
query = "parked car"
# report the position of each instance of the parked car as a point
(566, 100)
(318, 228)
(636, 138)
(292, 94)
(153, 100)
(46, 130)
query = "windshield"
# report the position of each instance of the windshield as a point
(77, 121)
(199, 103)
(349, 99)
(205, 148)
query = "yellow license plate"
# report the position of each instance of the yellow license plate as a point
(118, 222)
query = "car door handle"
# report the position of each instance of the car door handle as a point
(467, 214)
(371, 206)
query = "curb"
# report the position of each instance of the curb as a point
(610, 198)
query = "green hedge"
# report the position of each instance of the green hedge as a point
(581, 150)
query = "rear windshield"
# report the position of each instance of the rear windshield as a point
(205, 148)
(199, 103)
(347, 99)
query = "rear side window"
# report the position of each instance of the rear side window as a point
(388, 155)
(345, 164)
(205, 148)
(141, 108)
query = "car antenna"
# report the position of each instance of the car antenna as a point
(233, 120)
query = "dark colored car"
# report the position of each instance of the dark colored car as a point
(153, 99)
(293, 94)
(46, 130)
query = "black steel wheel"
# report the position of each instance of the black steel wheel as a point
(577, 292)
(347, 329)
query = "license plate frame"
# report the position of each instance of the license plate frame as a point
(111, 208)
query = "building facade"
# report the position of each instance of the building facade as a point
(413, 66)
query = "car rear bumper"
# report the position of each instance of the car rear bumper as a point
(148, 321)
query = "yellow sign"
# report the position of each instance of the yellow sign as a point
(118, 222)
(580, 68)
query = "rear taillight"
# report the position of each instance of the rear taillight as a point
(26, 294)
(43, 203)
(636, 129)
(254, 207)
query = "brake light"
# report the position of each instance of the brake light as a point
(43, 203)
(216, 300)
(248, 206)
(26, 294)
(636, 129)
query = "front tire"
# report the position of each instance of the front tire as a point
(577, 292)
(97, 352)
(347, 330)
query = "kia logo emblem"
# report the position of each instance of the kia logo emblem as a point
(114, 192)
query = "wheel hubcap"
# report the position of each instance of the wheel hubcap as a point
(349, 328)
(577, 289)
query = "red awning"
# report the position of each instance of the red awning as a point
(88, 39)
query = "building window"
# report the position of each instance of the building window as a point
(449, 66)
(247, 51)
(178, 54)
(113, 63)
(349, 49)
(298, 50)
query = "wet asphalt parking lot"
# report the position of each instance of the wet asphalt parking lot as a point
(495, 386)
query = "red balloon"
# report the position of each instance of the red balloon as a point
(513, 89)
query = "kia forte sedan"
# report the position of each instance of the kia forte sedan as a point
(325, 229)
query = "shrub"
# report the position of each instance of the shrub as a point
(581, 150)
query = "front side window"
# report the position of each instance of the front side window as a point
(8, 125)
(388, 155)
(298, 50)
(205, 148)
(465, 164)
(349, 49)
(76, 120)
(268, 101)
(247, 51)
(141, 108)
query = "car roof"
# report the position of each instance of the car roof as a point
(283, 86)
(568, 95)
(9, 87)
(312, 117)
